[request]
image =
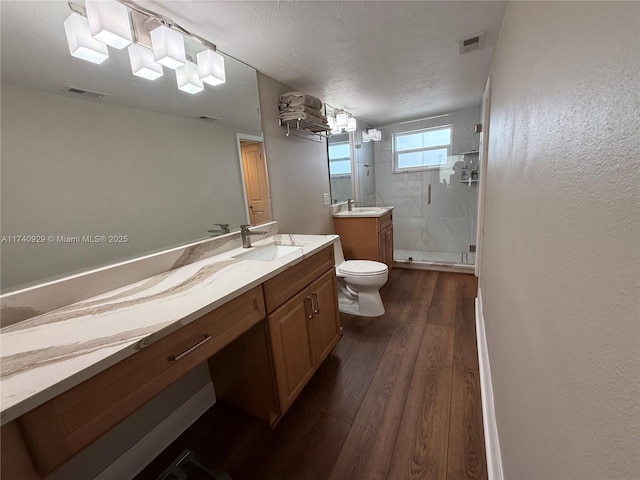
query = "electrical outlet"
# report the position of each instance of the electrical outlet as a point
(472, 248)
(325, 199)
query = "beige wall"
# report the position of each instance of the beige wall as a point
(560, 270)
(79, 167)
(298, 169)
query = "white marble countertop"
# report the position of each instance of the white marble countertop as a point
(51, 353)
(364, 212)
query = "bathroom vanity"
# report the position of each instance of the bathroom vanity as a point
(263, 318)
(366, 233)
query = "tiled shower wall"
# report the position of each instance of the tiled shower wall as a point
(443, 230)
(365, 165)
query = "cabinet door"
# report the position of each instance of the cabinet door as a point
(325, 325)
(291, 348)
(382, 247)
(388, 246)
(385, 246)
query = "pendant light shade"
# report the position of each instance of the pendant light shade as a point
(81, 44)
(189, 79)
(365, 137)
(342, 119)
(211, 67)
(351, 125)
(109, 22)
(142, 62)
(168, 47)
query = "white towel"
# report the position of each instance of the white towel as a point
(288, 117)
(286, 108)
(299, 98)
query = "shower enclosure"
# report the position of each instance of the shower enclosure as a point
(429, 170)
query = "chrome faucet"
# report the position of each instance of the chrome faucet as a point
(351, 203)
(246, 235)
(224, 228)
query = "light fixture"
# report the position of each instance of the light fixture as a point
(351, 125)
(375, 135)
(365, 136)
(153, 39)
(188, 78)
(109, 22)
(211, 67)
(331, 121)
(81, 43)
(336, 130)
(142, 62)
(342, 119)
(168, 47)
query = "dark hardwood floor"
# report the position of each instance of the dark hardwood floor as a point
(399, 398)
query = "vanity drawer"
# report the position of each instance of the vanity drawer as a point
(65, 425)
(285, 285)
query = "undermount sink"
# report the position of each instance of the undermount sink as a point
(366, 210)
(268, 253)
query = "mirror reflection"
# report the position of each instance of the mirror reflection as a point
(91, 151)
(340, 153)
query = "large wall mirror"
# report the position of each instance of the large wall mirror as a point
(340, 152)
(139, 162)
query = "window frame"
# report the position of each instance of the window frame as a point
(421, 168)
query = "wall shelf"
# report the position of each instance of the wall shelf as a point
(303, 129)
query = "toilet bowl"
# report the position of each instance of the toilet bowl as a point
(359, 282)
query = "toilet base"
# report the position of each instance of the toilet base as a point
(367, 305)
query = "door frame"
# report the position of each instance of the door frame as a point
(482, 182)
(240, 137)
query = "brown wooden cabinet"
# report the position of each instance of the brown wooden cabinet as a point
(304, 329)
(290, 334)
(257, 362)
(63, 426)
(366, 238)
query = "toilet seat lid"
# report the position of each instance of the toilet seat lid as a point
(362, 267)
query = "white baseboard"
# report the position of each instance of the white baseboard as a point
(149, 447)
(492, 444)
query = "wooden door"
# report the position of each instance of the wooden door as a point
(325, 325)
(290, 346)
(256, 183)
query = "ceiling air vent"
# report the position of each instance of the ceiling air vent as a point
(208, 118)
(470, 43)
(81, 92)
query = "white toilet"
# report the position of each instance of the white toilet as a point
(359, 282)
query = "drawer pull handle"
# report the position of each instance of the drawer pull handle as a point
(316, 303)
(308, 310)
(174, 358)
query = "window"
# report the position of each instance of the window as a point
(339, 159)
(424, 149)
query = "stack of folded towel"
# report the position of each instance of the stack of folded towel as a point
(299, 106)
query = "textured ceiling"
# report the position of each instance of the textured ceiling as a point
(382, 61)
